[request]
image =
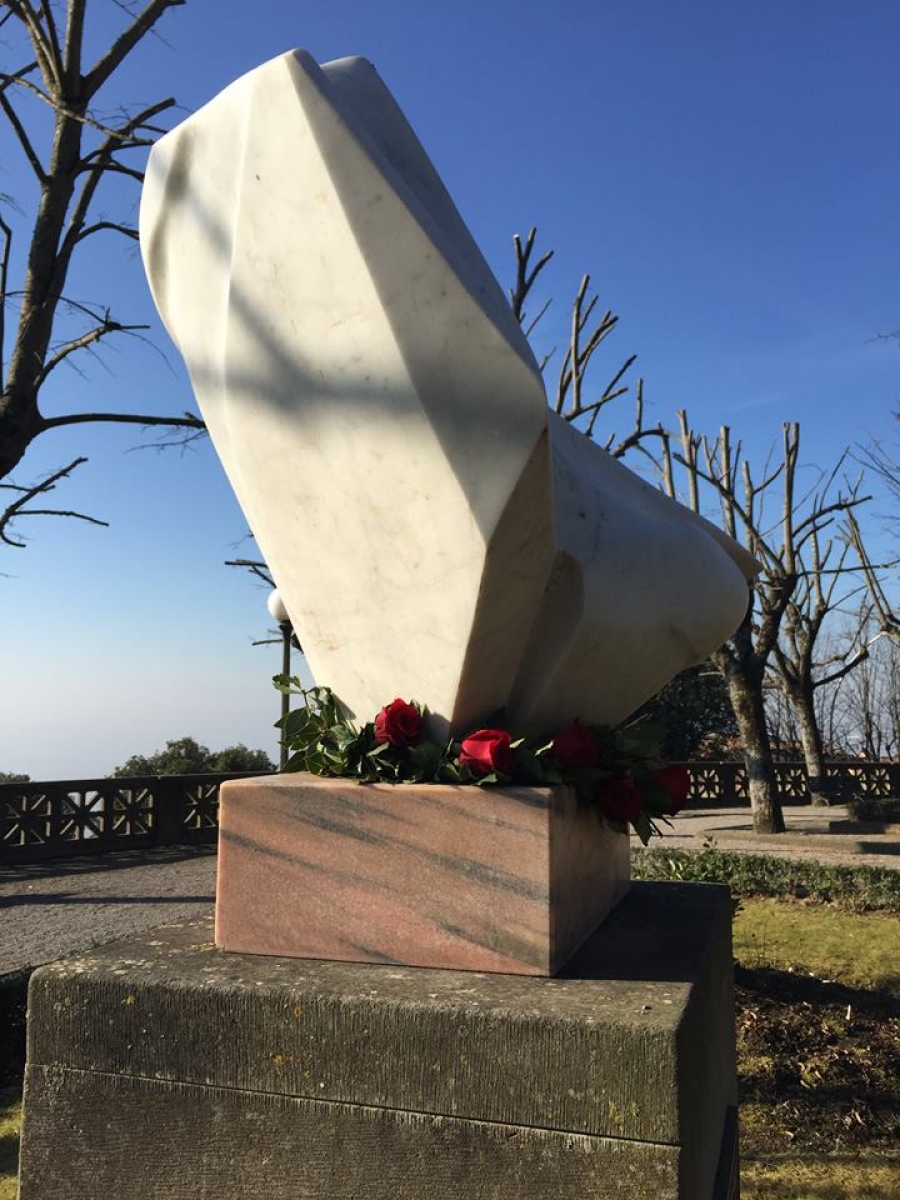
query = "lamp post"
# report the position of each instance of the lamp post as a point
(277, 610)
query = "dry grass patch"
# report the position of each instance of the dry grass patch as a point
(10, 1124)
(796, 1177)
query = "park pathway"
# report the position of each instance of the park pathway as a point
(49, 910)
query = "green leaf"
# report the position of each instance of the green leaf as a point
(425, 758)
(643, 827)
(289, 684)
(528, 765)
(296, 722)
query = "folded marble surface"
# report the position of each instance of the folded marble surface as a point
(434, 530)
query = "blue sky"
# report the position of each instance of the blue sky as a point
(727, 173)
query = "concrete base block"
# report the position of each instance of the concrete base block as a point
(162, 1067)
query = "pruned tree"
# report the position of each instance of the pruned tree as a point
(568, 394)
(828, 581)
(884, 461)
(861, 711)
(779, 546)
(884, 613)
(879, 456)
(70, 155)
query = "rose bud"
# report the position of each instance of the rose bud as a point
(399, 724)
(619, 799)
(487, 750)
(677, 782)
(575, 747)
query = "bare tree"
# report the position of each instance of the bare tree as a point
(867, 702)
(70, 156)
(884, 462)
(779, 546)
(884, 613)
(878, 456)
(588, 333)
(827, 583)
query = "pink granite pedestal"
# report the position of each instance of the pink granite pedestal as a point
(511, 880)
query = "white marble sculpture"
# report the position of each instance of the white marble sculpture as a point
(434, 530)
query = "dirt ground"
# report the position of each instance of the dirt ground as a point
(819, 1065)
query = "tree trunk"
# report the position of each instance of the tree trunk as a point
(747, 702)
(48, 262)
(811, 740)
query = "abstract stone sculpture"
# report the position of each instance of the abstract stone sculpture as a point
(434, 530)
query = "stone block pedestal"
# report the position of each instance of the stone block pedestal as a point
(510, 879)
(162, 1067)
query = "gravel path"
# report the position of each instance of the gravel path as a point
(59, 908)
(807, 837)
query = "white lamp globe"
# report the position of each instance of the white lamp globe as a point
(276, 608)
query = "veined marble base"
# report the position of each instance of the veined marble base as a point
(511, 880)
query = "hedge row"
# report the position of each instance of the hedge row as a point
(862, 889)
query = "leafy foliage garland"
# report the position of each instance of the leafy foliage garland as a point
(618, 771)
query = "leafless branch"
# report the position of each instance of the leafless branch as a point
(43, 48)
(103, 162)
(125, 43)
(92, 336)
(255, 567)
(24, 140)
(188, 421)
(19, 507)
(74, 38)
(526, 274)
(6, 234)
(639, 434)
(888, 618)
(126, 230)
(54, 53)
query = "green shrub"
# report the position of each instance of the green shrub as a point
(875, 808)
(862, 889)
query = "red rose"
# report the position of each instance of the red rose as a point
(398, 723)
(677, 782)
(619, 799)
(487, 750)
(575, 747)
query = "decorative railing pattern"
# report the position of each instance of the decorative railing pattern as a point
(722, 783)
(87, 816)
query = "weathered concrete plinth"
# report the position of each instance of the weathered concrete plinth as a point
(162, 1067)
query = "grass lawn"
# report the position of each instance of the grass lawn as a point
(10, 1118)
(803, 1178)
(858, 949)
